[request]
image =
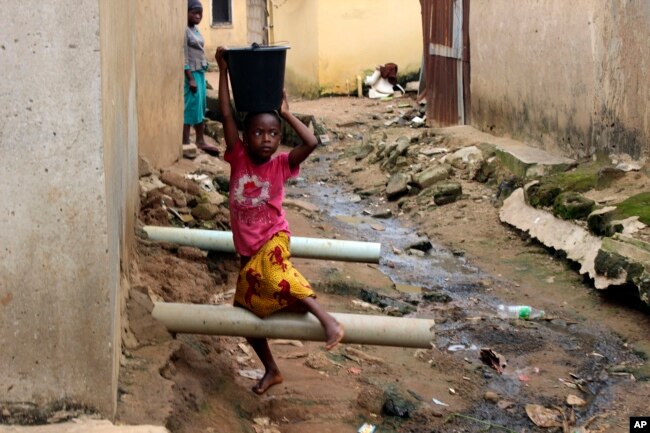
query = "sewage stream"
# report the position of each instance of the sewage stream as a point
(547, 359)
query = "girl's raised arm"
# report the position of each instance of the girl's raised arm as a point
(309, 142)
(229, 125)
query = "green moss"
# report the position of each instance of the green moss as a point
(543, 195)
(571, 206)
(637, 205)
(582, 179)
(407, 77)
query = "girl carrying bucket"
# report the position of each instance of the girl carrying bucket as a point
(267, 281)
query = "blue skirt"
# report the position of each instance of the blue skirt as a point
(195, 102)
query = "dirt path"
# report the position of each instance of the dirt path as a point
(591, 347)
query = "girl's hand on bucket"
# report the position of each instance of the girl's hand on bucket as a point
(220, 57)
(284, 107)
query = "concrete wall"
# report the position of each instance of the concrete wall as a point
(356, 36)
(333, 41)
(234, 35)
(296, 22)
(160, 35)
(118, 24)
(68, 174)
(571, 77)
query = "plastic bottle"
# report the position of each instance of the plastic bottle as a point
(525, 312)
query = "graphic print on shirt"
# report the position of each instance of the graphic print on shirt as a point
(251, 200)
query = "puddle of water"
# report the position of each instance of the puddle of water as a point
(355, 220)
(406, 288)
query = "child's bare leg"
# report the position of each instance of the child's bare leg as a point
(272, 374)
(186, 134)
(333, 330)
(200, 139)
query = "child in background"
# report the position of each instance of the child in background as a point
(195, 87)
(267, 281)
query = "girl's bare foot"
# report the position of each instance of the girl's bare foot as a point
(334, 334)
(272, 377)
(208, 148)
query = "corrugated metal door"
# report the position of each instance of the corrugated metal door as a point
(446, 60)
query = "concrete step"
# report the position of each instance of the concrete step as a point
(523, 160)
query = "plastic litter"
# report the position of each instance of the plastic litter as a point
(525, 312)
(438, 402)
(367, 428)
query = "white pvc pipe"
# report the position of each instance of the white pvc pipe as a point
(309, 248)
(233, 321)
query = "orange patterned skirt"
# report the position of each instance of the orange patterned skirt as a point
(269, 282)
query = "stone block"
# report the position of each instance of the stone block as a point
(397, 185)
(432, 175)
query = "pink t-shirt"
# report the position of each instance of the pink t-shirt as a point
(256, 194)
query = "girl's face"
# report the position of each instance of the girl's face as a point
(262, 137)
(194, 17)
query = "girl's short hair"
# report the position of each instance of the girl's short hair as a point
(250, 116)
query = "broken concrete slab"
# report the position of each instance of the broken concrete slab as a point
(627, 259)
(522, 160)
(578, 244)
(84, 426)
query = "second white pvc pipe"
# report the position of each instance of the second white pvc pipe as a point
(229, 320)
(310, 248)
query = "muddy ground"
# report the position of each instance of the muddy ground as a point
(592, 345)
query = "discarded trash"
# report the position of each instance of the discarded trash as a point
(393, 408)
(438, 402)
(354, 370)
(256, 374)
(543, 417)
(519, 312)
(493, 359)
(367, 428)
(197, 177)
(415, 395)
(524, 378)
(456, 347)
(417, 120)
(574, 400)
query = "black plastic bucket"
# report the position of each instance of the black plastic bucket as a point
(257, 77)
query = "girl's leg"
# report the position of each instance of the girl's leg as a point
(333, 330)
(200, 140)
(272, 374)
(186, 134)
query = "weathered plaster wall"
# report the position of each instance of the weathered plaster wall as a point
(622, 106)
(570, 77)
(68, 174)
(333, 41)
(296, 23)
(118, 24)
(356, 36)
(232, 35)
(160, 35)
